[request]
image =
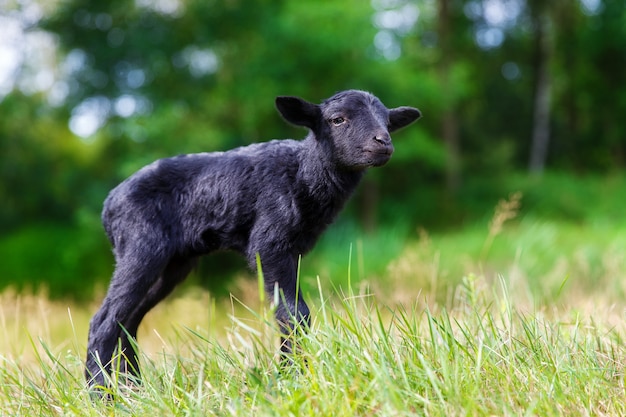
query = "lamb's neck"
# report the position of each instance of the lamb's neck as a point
(322, 175)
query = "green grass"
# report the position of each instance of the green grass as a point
(480, 356)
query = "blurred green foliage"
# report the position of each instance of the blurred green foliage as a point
(163, 78)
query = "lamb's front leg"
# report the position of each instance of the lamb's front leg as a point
(292, 313)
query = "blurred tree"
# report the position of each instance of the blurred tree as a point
(40, 169)
(449, 119)
(541, 23)
(590, 98)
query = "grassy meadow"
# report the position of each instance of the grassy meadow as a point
(516, 315)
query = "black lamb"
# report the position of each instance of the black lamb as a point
(270, 199)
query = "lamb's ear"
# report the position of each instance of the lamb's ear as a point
(402, 116)
(298, 111)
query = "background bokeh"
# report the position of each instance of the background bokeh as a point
(517, 95)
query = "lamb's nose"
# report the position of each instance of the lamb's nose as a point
(383, 138)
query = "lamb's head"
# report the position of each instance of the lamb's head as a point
(353, 125)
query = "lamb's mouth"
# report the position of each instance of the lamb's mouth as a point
(380, 152)
(379, 157)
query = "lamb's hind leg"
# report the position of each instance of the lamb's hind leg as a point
(175, 272)
(133, 292)
(131, 281)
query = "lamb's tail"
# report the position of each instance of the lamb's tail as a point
(107, 220)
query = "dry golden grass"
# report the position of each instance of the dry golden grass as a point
(26, 319)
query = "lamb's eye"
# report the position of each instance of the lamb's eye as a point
(338, 121)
